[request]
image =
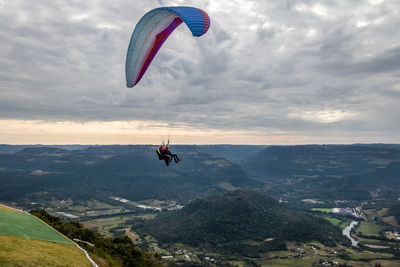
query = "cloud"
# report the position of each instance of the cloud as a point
(322, 116)
(302, 67)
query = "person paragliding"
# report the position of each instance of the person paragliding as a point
(149, 34)
(164, 153)
(173, 156)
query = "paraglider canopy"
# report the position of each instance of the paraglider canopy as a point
(151, 32)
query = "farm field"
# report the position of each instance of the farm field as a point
(342, 223)
(105, 226)
(368, 229)
(370, 255)
(333, 221)
(326, 210)
(391, 220)
(314, 254)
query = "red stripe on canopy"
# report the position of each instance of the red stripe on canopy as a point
(160, 39)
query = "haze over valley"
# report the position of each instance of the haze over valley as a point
(208, 207)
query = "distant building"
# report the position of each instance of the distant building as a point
(343, 211)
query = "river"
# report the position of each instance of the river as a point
(347, 230)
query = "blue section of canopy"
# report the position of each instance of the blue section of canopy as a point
(193, 17)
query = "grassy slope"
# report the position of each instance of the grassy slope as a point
(26, 225)
(334, 221)
(391, 220)
(370, 229)
(20, 251)
(326, 210)
(2, 207)
(24, 242)
(341, 223)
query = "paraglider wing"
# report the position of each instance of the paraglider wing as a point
(151, 32)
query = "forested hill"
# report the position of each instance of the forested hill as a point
(239, 222)
(324, 160)
(234, 153)
(344, 172)
(132, 172)
(347, 172)
(11, 149)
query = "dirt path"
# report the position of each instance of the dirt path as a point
(374, 246)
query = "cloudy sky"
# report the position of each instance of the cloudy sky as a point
(267, 72)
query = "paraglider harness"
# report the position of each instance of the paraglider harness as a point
(160, 156)
(163, 153)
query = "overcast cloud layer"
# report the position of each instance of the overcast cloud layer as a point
(323, 68)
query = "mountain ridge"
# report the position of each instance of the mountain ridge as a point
(132, 172)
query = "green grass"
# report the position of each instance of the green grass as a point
(148, 216)
(26, 225)
(106, 223)
(371, 255)
(309, 261)
(391, 220)
(238, 263)
(333, 221)
(279, 254)
(326, 210)
(372, 241)
(104, 206)
(368, 229)
(342, 223)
